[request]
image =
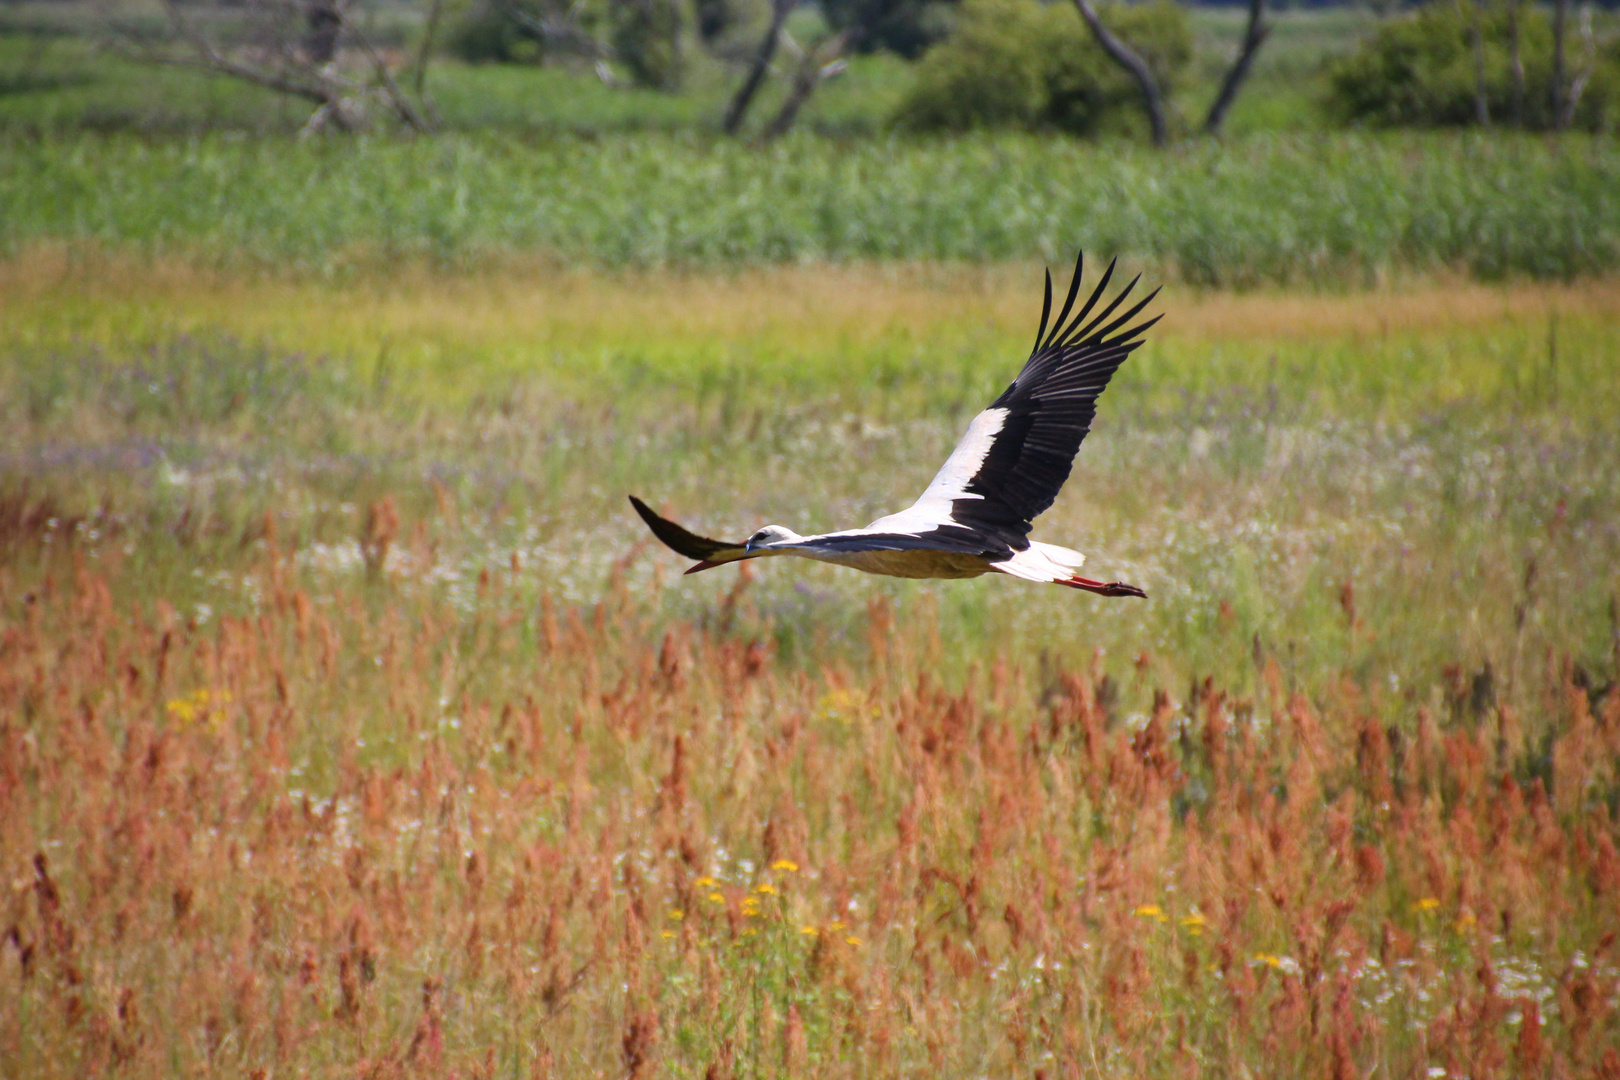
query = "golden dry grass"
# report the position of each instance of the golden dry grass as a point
(814, 305)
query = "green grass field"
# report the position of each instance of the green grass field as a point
(1311, 209)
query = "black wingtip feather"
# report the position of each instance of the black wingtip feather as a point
(1091, 302)
(1087, 332)
(1046, 310)
(1128, 316)
(1068, 304)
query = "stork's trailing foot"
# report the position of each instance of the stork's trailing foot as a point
(1104, 588)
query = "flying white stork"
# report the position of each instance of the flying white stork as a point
(974, 518)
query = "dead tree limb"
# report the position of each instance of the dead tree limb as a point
(1476, 37)
(324, 19)
(563, 32)
(407, 112)
(757, 70)
(424, 52)
(819, 63)
(1253, 37)
(1560, 18)
(1577, 85)
(1135, 66)
(299, 64)
(325, 89)
(1515, 62)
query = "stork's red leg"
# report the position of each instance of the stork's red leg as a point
(1104, 588)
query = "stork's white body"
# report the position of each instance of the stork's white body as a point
(1038, 562)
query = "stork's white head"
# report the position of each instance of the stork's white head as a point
(770, 536)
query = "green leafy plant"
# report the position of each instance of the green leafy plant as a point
(1017, 63)
(1421, 70)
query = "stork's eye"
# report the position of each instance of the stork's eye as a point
(757, 538)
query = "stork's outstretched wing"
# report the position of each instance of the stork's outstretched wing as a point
(693, 546)
(1017, 453)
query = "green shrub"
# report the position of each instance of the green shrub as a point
(645, 35)
(646, 39)
(716, 19)
(1018, 63)
(1420, 70)
(487, 33)
(904, 27)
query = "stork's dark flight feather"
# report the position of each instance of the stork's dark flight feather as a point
(1049, 409)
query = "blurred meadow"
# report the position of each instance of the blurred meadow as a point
(352, 725)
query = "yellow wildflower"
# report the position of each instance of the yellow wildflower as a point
(717, 898)
(199, 705)
(1428, 903)
(766, 888)
(705, 882)
(810, 931)
(1194, 923)
(785, 864)
(677, 914)
(852, 941)
(666, 934)
(1152, 911)
(1268, 959)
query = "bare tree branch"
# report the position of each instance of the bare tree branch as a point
(1515, 61)
(424, 52)
(1125, 57)
(1476, 35)
(323, 88)
(1253, 37)
(821, 62)
(402, 104)
(300, 59)
(563, 33)
(738, 109)
(1560, 16)
(1577, 85)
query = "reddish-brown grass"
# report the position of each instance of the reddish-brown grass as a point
(365, 833)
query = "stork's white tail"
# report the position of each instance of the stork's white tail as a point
(1043, 562)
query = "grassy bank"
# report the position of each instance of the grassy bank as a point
(1342, 208)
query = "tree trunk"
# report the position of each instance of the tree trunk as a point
(429, 40)
(324, 22)
(1476, 36)
(812, 70)
(1126, 58)
(1253, 38)
(757, 71)
(1560, 16)
(1516, 62)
